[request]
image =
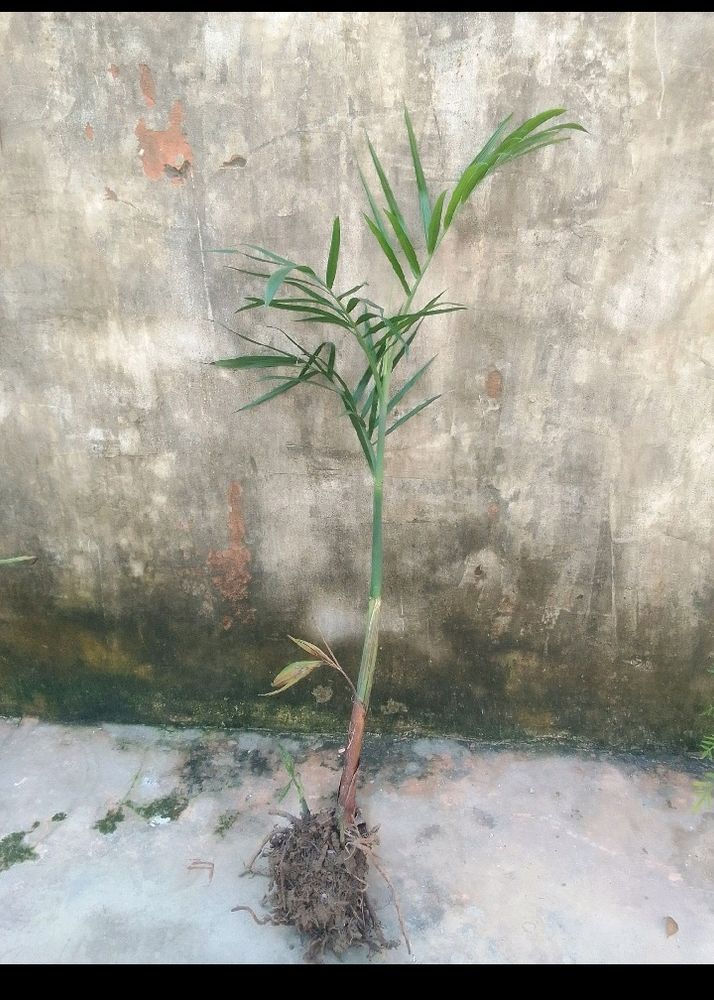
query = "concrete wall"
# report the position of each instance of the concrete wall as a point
(549, 520)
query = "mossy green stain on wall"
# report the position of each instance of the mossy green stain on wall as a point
(477, 687)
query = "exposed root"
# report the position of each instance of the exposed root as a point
(318, 883)
(254, 915)
(396, 905)
(248, 870)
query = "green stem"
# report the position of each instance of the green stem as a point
(368, 664)
(371, 640)
(370, 647)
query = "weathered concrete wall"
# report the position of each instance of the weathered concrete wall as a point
(549, 521)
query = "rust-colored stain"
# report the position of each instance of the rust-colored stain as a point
(148, 87)
(492, 511)
(113, 69)
(494, 384)
(169, 147)
(89, 131)
(230, 574)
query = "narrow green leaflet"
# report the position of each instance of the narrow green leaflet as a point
(351, 291)
(405, 243)
(412, 413)
(258, 361)
(277, 391)
(531, 124)
(469, 179)
(363, 438)
(275, 282)
(334, 253)
(13, 560)
(379, 223)
(308, 290)
(530, 148)
(419, 173)
(493, 143)
(388, 193)
(432, 237)
(388, 253)
(409, 384)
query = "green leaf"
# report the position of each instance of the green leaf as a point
(13, 560)
(351, 291)
(378, 221)
(320, 317)
(275, 257)
(275, 282)
(529, 145)
(292, 674)
(334, 253)
(307, 289)
(245, 270)
(388, 193)
(365, 318)
(493, 143)
(531, 124)
(258, 361)
(468, 181)
(405, 243)
(351, 304)
(412, 413)
(330, 360)
(419, 173)
(373, 415)
(315, 356)
(409, 384)
(432, 236)
(363, 438)
(277, 391)
(388, 253)
(251, 303)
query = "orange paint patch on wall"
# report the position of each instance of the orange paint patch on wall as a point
(229, 570)
(164, 148)
(89, 131)
(494, 384)
(146, 82)
(113, 69)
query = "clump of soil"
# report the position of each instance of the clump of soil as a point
(318, 883)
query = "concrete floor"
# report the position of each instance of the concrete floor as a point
(498, 855)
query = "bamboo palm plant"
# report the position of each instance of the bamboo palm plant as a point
(383, 338)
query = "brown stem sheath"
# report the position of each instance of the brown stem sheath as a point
(346, 798)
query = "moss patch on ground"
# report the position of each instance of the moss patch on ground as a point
(14, 850)
(225, 821)
(169, 807)
(109, 823)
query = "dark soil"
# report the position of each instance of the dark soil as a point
(318, 884)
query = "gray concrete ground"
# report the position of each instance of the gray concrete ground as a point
(497, 855)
